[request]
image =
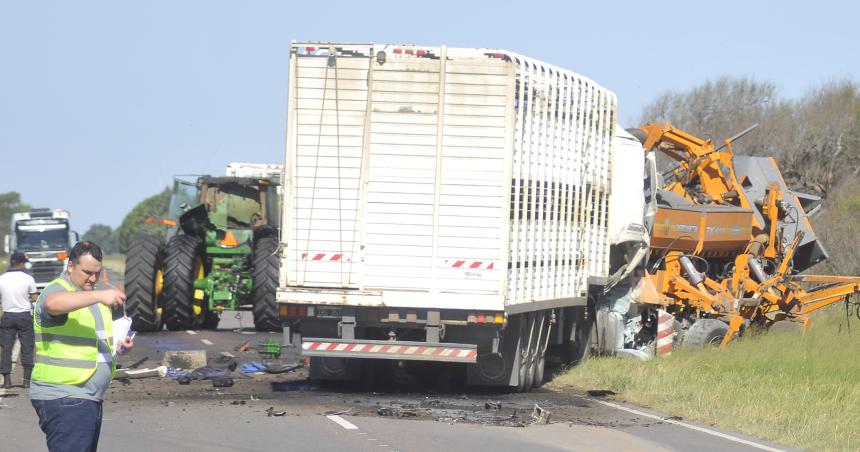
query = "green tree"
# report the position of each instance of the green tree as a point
(135, 222)
(102, 234)
(10, 203)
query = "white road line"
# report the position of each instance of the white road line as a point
(191, 332)
(342, 422)
(206, 341)
(685, 425)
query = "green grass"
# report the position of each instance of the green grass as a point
(802, 391)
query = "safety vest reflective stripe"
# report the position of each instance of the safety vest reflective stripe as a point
(68, 340)
(64, 362)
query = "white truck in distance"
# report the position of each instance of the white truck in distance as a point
(448, 204)
(44, 235)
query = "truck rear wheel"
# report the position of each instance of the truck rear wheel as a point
(144, 281)
(542, 324)
(705, 332)
(182, 265)
(526, 352)
(266, 263)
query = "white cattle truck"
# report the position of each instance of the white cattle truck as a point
(448, 204)
(44, 235)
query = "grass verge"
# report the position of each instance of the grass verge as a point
(802, 391)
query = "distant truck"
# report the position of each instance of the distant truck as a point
(45, 236)
(448, 204)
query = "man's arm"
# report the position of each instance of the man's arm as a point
(34, 292)
(63, 302)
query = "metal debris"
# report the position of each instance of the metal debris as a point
(540, 415)
(493, 406)
(271, 412)
(244, 347)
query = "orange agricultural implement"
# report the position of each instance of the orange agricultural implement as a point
(728, 239)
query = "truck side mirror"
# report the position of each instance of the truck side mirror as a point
(7, 247)
(74, 237)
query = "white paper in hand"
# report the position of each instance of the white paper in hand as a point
(121, 327)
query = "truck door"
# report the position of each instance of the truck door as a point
(326, 142)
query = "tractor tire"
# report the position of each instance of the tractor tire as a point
(705, 332)
(180, 263)
(211, 320)
(266, 262)
(143, 266)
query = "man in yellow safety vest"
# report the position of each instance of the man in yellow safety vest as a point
(74, 344)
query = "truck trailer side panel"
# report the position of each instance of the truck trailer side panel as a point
(465, 171)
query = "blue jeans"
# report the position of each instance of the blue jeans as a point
(70, 424)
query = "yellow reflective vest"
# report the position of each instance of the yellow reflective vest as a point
(68, 353)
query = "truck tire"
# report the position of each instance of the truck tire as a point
(542, 323)
(144, 281)
(528, 350)
(705, 332)
(181, 262)
(266, 262)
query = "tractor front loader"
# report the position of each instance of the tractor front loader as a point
(727, 241)
(219, 254)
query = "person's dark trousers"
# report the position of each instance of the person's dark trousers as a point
(70, 424)
(20, 325)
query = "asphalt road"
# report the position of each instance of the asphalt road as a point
(160, 414)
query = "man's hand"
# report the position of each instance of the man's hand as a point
(111, 298)
(127, 344)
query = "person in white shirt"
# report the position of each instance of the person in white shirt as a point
(17, 294)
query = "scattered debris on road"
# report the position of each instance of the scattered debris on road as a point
(540, 415)
(494, 406)
(271, 412)
(184, 359)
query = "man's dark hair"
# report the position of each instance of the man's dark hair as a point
(83, 248)
(17, 258)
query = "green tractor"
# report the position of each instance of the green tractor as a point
(223, 256)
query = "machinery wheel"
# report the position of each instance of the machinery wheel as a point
(705, 332)
(144, 281)
(266, 263)
(182, 265)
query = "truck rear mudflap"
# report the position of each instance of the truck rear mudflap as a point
(399, 350)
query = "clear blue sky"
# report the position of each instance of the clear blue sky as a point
(102, 102)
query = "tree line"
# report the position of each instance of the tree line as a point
(111, 240)
(815, 139)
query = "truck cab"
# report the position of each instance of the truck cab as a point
(44, 235)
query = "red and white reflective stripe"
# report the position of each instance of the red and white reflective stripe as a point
(380, 350)
(326, 257)
(469, 265)
(665, 332)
